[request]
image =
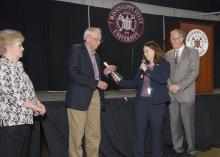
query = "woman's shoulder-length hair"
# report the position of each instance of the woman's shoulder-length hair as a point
(159, 53)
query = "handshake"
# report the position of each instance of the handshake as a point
(112, 70)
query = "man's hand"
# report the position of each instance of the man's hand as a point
(109, 69)
(102, 85)
(114, 78)
(174, 88)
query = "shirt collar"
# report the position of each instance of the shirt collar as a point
(181, 48)
(8, 61)
(89, 50)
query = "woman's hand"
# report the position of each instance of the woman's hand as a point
(38, 108)
(29, 104)
(143, 67)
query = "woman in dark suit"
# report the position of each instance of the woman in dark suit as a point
(151, 98)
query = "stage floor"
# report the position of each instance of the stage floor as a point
(121, 93)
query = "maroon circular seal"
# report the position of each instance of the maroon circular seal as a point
(126, 22)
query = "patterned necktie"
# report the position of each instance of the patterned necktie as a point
(177, 56)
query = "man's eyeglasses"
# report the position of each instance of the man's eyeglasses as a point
(96, 40)
(174, 39)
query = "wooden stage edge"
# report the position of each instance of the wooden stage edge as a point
(121, 93)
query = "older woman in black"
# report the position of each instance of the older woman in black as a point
(18, 102)
(151, 98)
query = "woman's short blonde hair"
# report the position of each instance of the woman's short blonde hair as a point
(7, 36)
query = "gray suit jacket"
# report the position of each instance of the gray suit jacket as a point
(184, 73)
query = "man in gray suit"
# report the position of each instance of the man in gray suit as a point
(184, 64)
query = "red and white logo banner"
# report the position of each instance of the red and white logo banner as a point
(126, 22)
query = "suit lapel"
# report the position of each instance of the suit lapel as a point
(173, 57)
(183, 55)
(88, 60)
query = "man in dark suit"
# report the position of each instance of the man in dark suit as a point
(184, 68)
(83, 99)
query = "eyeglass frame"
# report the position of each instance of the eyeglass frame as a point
(96, 40)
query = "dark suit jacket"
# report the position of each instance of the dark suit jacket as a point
(81, 83)
(158, 78)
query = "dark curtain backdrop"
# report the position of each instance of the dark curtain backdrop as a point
(50, 27)
(30, 17)
(66, 25)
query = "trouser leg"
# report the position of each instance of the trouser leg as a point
(92, 127)
(76, 120)
(176, 126)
